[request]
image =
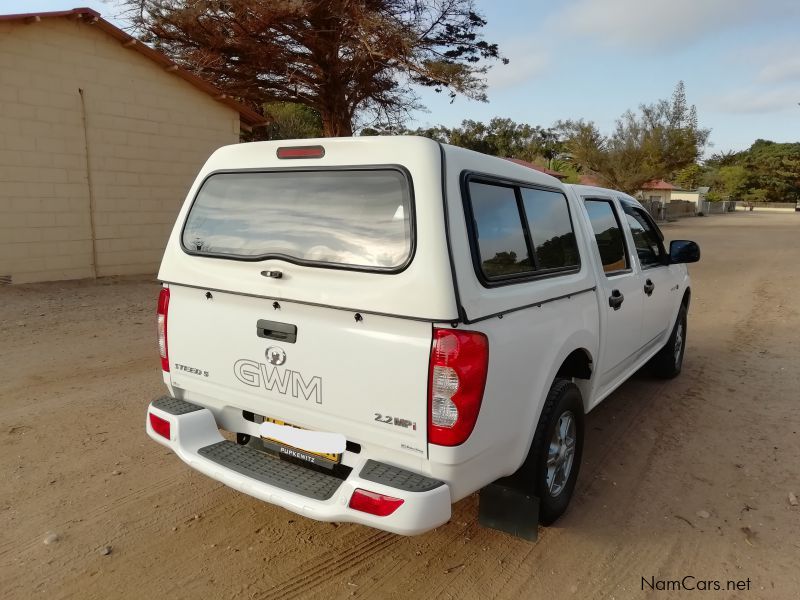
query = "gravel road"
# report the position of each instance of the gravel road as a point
(689, 477)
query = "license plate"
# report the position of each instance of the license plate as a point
(322, 459)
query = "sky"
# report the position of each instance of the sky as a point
(594, 59)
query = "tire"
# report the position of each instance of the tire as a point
(554, 485)
(669, 360)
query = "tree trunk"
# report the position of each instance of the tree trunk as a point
(336, 124)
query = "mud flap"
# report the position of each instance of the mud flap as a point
(509, 510)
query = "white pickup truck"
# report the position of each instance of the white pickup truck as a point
(370, 329)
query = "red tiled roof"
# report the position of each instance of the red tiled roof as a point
(587, 179)
(91, 17)
(658, 184)
(530, 165)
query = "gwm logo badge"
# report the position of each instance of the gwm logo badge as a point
(273, 378)
(275, 356)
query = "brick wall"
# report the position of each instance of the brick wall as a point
(148, 134)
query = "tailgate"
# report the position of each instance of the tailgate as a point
(366, 379)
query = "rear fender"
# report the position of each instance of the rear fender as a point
(579, 340)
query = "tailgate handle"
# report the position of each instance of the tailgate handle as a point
(283, 332)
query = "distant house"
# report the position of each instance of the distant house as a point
(657, 190)
(530, 165)
(100, 139)
(697, 196)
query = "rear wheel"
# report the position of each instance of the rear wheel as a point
(551, 469)
(669, 361)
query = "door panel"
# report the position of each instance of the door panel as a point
(657, 305)
(623, 326)
(621, 286)
(656, 278)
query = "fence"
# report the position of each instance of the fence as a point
(769, 206)
(673, 210)
(716, 208)
(684, 208)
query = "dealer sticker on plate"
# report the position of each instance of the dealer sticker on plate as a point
(277, 435)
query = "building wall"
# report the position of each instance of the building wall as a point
(689, 196)
(147, 132)
(662, 196)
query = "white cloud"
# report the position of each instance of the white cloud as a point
(755, 100)
(657, 24)
(780, 69)
(526, 60)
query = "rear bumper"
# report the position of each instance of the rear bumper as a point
(195, 438)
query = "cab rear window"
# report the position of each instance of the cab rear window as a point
(360, 219)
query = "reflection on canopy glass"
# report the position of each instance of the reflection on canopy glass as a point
(551, 229)
(501, 239)
(353, 218)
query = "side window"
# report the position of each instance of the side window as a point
(500, 236)
(645, 238)
(608, 235)
(551, 229)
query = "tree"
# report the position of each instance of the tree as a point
(290, 121)
(722, 159)
(499, 137)
(774, 171)
(727, 183)
(345, 59)
(689, 177)
(654, 143)
(765, 172)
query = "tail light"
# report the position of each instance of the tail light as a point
(163, 306)
(159, 425)
(374, 503)
(459, 361)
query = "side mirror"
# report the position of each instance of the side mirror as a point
(683, 251)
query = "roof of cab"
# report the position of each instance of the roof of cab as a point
(592, 190)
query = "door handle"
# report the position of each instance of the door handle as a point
(615, 299)
(649, 286)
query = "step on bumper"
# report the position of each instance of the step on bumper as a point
(195, 438)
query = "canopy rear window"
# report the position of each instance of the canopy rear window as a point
(350, 218)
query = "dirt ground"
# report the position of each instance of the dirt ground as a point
(686, 477)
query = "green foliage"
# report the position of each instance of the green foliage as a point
(290, 121)
(660, 139)
(689, 177)
(499, 137)
(766, 172)
(506, 138)
(727, 183)
(568, 168)
(722, 159)
(506, 263)
(773, 171)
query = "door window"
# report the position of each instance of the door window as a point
(608, 235)
(645, 238)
